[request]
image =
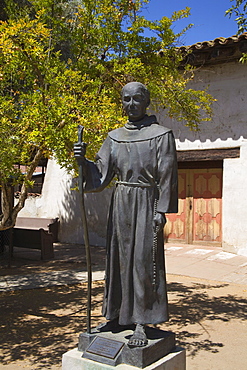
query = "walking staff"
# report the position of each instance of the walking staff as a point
(85, 229)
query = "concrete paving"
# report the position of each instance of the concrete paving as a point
(203, 262)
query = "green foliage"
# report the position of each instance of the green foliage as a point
(63, 63)
(239, 10)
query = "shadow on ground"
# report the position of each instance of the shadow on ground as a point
(39, 325)
(196, 306)
(66, 257)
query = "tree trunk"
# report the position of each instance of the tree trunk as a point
(9, 211)
(7, 204)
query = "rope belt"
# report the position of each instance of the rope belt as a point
(135, 184)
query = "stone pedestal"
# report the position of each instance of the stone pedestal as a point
(73, 360)
(111, 347)
(107, 350)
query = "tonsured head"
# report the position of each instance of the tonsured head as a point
(135, 99)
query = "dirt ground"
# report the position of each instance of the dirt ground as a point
(209, 318)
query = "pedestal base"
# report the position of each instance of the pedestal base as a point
(73, 360)
(112, 348)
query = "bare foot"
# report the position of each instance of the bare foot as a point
(139, 338)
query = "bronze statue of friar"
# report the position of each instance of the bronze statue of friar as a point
(142, 156)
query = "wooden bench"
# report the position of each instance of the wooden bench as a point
(35, 233)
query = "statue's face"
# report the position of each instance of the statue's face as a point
(134, 102)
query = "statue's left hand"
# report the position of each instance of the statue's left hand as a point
(159, 221)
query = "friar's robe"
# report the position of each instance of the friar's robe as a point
(143, 158)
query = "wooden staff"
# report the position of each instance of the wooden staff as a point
(85, 229)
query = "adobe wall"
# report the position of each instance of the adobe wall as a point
(234, 228)
(227, 129)
(226, 83)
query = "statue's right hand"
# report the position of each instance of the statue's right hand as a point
(80, 151)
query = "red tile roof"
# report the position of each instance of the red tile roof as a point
(218, 50)
(218, 41)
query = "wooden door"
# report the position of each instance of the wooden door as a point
(207, 203)
(199, 213)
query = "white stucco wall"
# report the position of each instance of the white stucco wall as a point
(227, 129)
(226, 83)
(234, 205)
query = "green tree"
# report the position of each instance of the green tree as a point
(63, 63)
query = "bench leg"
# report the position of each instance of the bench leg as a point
(47, 251)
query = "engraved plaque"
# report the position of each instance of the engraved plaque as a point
(105, 347)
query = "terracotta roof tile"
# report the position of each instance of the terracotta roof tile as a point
(218, 41)
(215, 51)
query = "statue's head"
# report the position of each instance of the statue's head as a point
(135, 99)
